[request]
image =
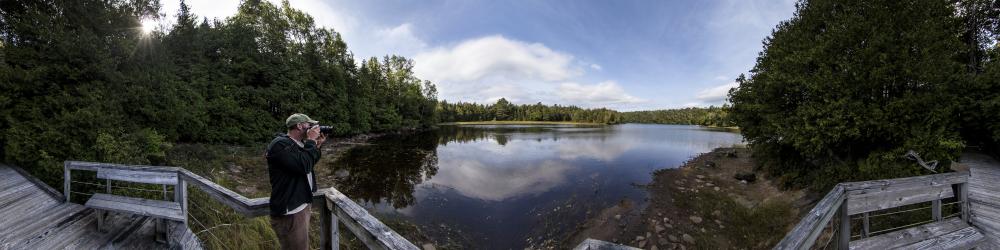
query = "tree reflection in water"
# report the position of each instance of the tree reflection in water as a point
(388, 170)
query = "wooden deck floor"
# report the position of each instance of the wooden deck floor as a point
(33, 218)
(984, 194)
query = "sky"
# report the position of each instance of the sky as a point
(625, 55)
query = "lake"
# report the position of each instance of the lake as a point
(504, 186)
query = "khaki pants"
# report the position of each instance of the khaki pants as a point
(293, 229)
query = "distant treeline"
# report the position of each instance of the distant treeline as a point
(503, 110)
(711, 116)
(80, 80)
(844, 89)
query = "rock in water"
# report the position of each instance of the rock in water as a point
(695, 219)
(710, 164)
(687, 238)
(748, 177)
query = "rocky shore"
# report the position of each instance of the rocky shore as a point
(714, 201)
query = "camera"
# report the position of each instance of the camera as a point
(326, 130)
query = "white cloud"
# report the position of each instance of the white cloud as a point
(494, 57)
(475, 179)
(607, 92)
(716, 94)
(487, 68)
(399, 40)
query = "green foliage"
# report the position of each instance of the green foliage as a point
(74, 74)
(143, 147)
(711, 116)
(503, 110)
(844, 89)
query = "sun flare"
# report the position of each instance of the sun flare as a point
(148, 25)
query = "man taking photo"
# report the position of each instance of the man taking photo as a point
(290, 161)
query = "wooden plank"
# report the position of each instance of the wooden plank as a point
(94, 166)
(936, 210)
(844, 233)
(57, 235)
(805, 233)
(25, 224)
(865, 226)
(138, 176)
(4, 170)
(592, 244)
(117, 222)
(180, 196)
(985, 214)
(41, 185)
(965, 238)
(27, 196)
(11, 180)
(868, 202)
(153, 208)
(67, 178)
(141, 237)
(909, 236)
(247, 207)
(905, 183)
(13, 217)
(37, 202)
(13, 194)
(366, 227)
(963, 198)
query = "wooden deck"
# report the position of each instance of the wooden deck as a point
(974, 188)
(984, 196)
(34, 216)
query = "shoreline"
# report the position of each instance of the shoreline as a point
(520, 123)
(700, 205)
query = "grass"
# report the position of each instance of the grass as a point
(521, 123)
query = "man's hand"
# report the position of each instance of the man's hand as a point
(320, 140)
(313, 133)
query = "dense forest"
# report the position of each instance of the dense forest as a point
(503, 110)
(80, 80)
(711, 116)
(845, 88)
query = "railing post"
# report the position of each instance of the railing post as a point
(66, 180)
(180, 195)
(844, 233)
(936, 210)
(330, 230)
(866, 229)
(963, 198)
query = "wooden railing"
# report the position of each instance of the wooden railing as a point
(334, 206)
(864, 197)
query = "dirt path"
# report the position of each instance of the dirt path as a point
(701, 206)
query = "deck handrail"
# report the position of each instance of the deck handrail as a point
(335, 206)
(850, 198)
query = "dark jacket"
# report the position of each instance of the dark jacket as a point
(287, 165)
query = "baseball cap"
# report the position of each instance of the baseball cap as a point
(298, 118)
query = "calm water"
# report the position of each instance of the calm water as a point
(495, 186)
